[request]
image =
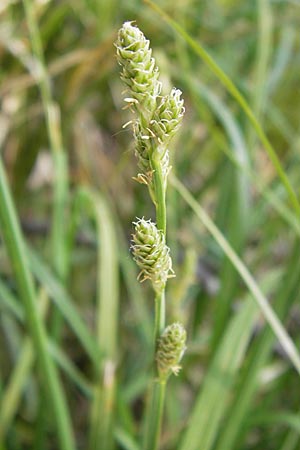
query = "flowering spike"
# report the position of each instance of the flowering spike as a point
(168, 116)
(151, 254)
(170, 349)
(158, 117)
(140, 73)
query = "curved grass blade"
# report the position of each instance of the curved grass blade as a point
(232, 89)
(248, 279)
(208, 410)
(15, 386)
(64, 303)
(234, 186)
(286, 294)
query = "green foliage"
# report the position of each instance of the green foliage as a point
(76, 326)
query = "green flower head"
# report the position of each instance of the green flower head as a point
(170, 349)
(151, 254)
(139, 71)
(168, 116)
(158, 117)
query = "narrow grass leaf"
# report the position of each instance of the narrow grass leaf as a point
(208, 410)
(229, 85)
(286, 289)
(106, 319)
(64, 303)
(17, 253)
(248, 279)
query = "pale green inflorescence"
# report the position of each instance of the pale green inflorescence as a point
(167, 117)
(151, 254)
(140, 73)
(159, 116)
(170, 349)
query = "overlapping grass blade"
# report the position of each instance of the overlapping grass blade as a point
(229, 85)
(102, 414)
(266, 309)
(209, 410)
(233, 209)
(259, 354)
(64, 303)
(14, 388)
(16, 250)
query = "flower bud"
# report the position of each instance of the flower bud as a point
(170, 349)
(151, 254)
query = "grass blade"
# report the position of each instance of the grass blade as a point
(106, 321)
(258, 296)
(17, 253)
(286, 294)
(208, 410)
(232, 89)
(64, 303)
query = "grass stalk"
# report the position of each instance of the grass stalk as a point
(158, 387)
(160, 196)
(16, 250)
(154, 422)
(160, 314)
(158, 120)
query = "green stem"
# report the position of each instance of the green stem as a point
(160, 195)
(155, 417)
(157, 396)
(16, 250)
(160, 319)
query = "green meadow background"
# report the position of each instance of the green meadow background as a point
(76, 327)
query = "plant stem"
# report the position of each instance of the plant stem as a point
(157, 395)
(16, 250)
(154, 421)
(160, 196)
(160, 318)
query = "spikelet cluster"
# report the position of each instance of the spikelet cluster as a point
(151, 254)
(139, 71)
(159, 117)
(168, 116)
(170, 349)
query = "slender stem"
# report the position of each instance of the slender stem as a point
(157, 395)
(160, 196)
(160, 318)
(155, 417)
(16, 250)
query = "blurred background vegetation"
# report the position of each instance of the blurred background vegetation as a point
(70, 165)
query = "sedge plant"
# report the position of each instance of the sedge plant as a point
(156, 120)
